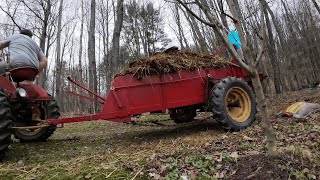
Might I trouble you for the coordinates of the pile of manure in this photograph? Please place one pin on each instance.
(170, 61)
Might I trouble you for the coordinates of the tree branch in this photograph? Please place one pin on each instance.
(36, 14)
(11, 17)
(222, 11)
(196, 16)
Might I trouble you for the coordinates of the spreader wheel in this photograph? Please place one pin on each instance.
(5, 124)
(233, 104)
(47, 110)
(183, 114)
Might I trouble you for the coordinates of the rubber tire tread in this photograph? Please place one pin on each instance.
(52, 110)
(6, 119)
(218, 106)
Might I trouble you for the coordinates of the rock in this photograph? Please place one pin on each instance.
(234, 155)
(184, 177)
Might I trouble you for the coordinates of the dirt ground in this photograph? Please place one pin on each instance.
(156, 148)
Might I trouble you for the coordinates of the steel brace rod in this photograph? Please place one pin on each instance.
(86, 89)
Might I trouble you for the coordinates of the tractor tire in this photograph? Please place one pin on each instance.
(233, 104)
(51, 111)
(6, 119)
(183, 114)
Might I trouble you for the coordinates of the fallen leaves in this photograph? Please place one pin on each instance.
(247, 138)
(241, 154)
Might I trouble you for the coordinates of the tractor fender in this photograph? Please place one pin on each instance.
(7, 86)
(35, 92)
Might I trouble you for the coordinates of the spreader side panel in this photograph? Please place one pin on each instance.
(184, 88)
(129, 96)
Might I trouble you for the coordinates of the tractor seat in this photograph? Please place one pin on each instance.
(23, 74)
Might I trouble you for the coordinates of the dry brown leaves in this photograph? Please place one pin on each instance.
(241, 155)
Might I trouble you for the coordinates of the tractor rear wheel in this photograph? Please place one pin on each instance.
(5, 124)
(47, 110)
(233, 104)
(183, 114)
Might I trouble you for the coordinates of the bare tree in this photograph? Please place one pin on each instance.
(250, 67)
(91, 51)
(116, 34)
(11, 15)
(181, 37)
(58, 56)
(80, 68)
(81, 41)
(271, 47)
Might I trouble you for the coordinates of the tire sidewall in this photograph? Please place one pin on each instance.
(219, 107)
(241, 84)
(46, 113)
(6, 119)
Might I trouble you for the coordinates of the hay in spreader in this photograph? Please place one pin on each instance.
(170, 61)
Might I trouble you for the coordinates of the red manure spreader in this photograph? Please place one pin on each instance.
(29, 113)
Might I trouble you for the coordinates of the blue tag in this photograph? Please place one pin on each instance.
(234, 38)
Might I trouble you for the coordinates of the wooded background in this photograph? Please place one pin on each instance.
(90, 41)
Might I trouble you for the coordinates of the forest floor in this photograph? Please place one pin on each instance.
(164, 150)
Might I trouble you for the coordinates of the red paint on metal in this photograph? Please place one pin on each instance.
(221, 50)
(7, 86)
(23, 73)
(110, 117)
(117, 99)
(35, 92)
(85, 97)
(86, 89)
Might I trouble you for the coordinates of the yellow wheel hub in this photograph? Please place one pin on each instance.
(238, 104)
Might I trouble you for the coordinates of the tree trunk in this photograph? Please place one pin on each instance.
(262, 104)
(178, 22)
(91, 53)
(81, 43)
(272, 55)
(81, 102)
(289, 53)
(194, 35)
(116, 34)
(201, 40)
(43, 36)
(276, 24)
(136, 37)
(58, 60)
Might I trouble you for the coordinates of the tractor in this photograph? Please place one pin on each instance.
(23, 107)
